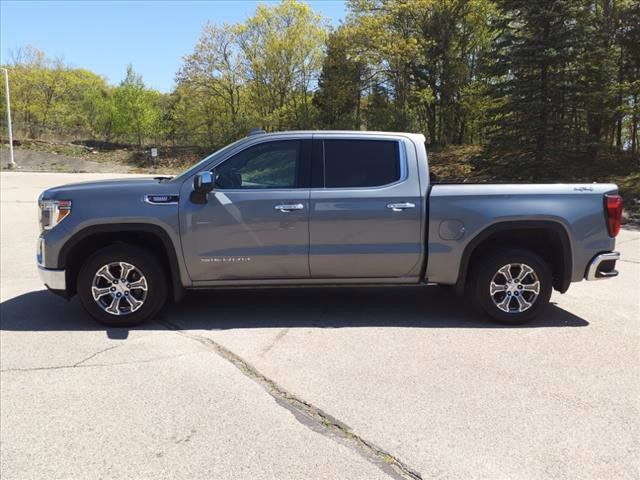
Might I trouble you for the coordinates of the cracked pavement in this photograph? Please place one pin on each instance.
(358, 384)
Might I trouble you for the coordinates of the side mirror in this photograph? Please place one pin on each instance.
(202, 185)
(203, 182)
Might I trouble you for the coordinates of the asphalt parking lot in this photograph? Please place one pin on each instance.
(355, 384)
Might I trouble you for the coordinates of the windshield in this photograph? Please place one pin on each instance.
(195, 168)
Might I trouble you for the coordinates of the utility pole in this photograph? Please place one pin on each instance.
(12, 162)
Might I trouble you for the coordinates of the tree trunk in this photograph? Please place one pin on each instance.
(358, 102)
(619, 114)
(541, 136)
(634, 125)
(431, 115)
(461, 132)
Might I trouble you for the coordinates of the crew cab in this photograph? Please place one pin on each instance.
(322, 208)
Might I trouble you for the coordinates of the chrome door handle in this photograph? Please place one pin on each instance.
(398, 207)
(289, 208)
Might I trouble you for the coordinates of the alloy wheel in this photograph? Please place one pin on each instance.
(514, 287)
(119, 288)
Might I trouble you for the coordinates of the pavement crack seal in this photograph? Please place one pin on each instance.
(306, 413)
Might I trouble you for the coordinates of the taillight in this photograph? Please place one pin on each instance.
(613, 212)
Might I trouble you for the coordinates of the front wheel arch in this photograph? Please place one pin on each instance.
(147, 236)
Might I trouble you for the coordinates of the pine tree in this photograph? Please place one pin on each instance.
(338, 98)
(534, 55)
(628, 88)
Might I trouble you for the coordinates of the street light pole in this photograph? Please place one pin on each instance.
(12, 162)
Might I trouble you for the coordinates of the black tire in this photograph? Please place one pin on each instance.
(486, 270)
(145, 263)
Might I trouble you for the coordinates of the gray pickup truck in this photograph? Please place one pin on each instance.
(322, 208)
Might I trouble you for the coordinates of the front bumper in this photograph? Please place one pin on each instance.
(53, 279)
(603, 266)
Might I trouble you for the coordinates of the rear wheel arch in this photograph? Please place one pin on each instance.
(151, 238)
(547, 238)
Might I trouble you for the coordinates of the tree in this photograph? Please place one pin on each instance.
(533, 74)
(382, 38)
(48, 97)
(340, 87)
(136, 107)
(628, 86)
(425, 54)
(543, 78)
(213, 73)
(100, 110)
(283, 51)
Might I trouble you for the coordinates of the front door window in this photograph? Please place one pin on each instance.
(265, 166)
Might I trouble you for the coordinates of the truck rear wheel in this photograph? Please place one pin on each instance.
(122, 286)
(512, 286)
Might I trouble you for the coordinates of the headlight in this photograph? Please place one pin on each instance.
(52, 212)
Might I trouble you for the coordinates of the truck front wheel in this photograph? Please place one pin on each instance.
(122, 285)
(512, 286)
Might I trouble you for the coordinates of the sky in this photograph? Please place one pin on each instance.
(106, 36)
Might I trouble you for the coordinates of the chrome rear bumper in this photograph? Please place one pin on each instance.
(603, 266)
(53, 279)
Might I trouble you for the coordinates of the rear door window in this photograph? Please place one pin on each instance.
(361, 163)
